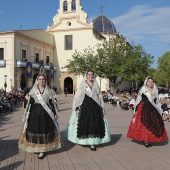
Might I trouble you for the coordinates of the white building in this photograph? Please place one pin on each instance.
(70, 31)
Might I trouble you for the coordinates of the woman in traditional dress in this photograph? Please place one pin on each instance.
(40, 132)
(88, 124)
(147, 124)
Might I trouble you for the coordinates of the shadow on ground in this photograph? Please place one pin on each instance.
(114, 139)
(12, 166)
(9, 148)
(153, 143)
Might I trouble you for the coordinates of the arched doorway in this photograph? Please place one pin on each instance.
(68, 84)
(23, 81)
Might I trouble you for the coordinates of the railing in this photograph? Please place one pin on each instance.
(20, 63)
(2, 63)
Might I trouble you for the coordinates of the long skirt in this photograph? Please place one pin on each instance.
(90, 127)
(147, 124)
(41, 134)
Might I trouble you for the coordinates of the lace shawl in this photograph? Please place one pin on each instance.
(150, 97)
(83, 89)
(47, 94)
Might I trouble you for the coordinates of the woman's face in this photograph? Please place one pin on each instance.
(150, 83)
(90, 76)
(41, 80)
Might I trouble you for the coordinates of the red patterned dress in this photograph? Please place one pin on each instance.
(147, 124)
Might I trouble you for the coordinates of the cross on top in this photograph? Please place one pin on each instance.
(101, 8)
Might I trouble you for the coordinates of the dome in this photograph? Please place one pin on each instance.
(103, 25)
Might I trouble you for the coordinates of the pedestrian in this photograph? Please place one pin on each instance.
(66, 92)
(88, 124)
(147, 124)
(40, 132)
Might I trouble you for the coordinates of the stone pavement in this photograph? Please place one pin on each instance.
(120, 154)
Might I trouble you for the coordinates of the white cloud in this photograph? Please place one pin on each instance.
(142, 22)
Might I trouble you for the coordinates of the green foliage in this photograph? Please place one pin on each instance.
(162, 73)
(113, 59)
(155, 74)
(164, 69)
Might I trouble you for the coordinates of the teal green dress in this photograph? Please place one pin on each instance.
(90, 126)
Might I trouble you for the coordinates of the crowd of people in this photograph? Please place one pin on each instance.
(9, 99)
(122, 99)
(165, 107)
(126, 101)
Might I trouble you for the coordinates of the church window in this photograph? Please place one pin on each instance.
(65, 6)
(24, 55)
(68, 42)
(73, 5)
(1, 53)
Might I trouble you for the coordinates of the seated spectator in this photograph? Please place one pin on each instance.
(22, 96)
(131, 103)
(167, 113)
(164, 104)
(124, 102)
(168, 101)
(105, 98)
(135, 95)
(109, 97)
(117, 100)
(113, 99)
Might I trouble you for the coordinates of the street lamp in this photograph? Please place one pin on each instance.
(11, 83)
(5, 84)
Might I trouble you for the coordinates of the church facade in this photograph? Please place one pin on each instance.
(24, 52)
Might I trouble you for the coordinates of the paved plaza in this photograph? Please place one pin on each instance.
(120, 154)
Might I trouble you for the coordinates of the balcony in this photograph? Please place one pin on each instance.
(21, 63)
(2, 63)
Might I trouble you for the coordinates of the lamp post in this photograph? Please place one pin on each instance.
(5, 84)
(11, 83)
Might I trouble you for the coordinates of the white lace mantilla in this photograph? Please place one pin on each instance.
(150, 97)
(85, 89)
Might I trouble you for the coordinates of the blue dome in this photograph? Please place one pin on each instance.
(103, 25)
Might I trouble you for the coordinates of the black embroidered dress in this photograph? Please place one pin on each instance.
(90, 127)
(41, 134)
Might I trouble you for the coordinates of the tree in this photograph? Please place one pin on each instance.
(111, 60)
(155, 74)
(164, 69)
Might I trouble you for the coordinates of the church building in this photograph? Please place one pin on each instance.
(25, 53)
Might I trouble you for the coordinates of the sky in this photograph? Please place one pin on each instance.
(144, 22)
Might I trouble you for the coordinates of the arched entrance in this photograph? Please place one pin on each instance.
(23, 81)
(68, 85)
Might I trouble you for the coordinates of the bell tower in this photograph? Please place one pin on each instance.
(69, 10)
(69, 5)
